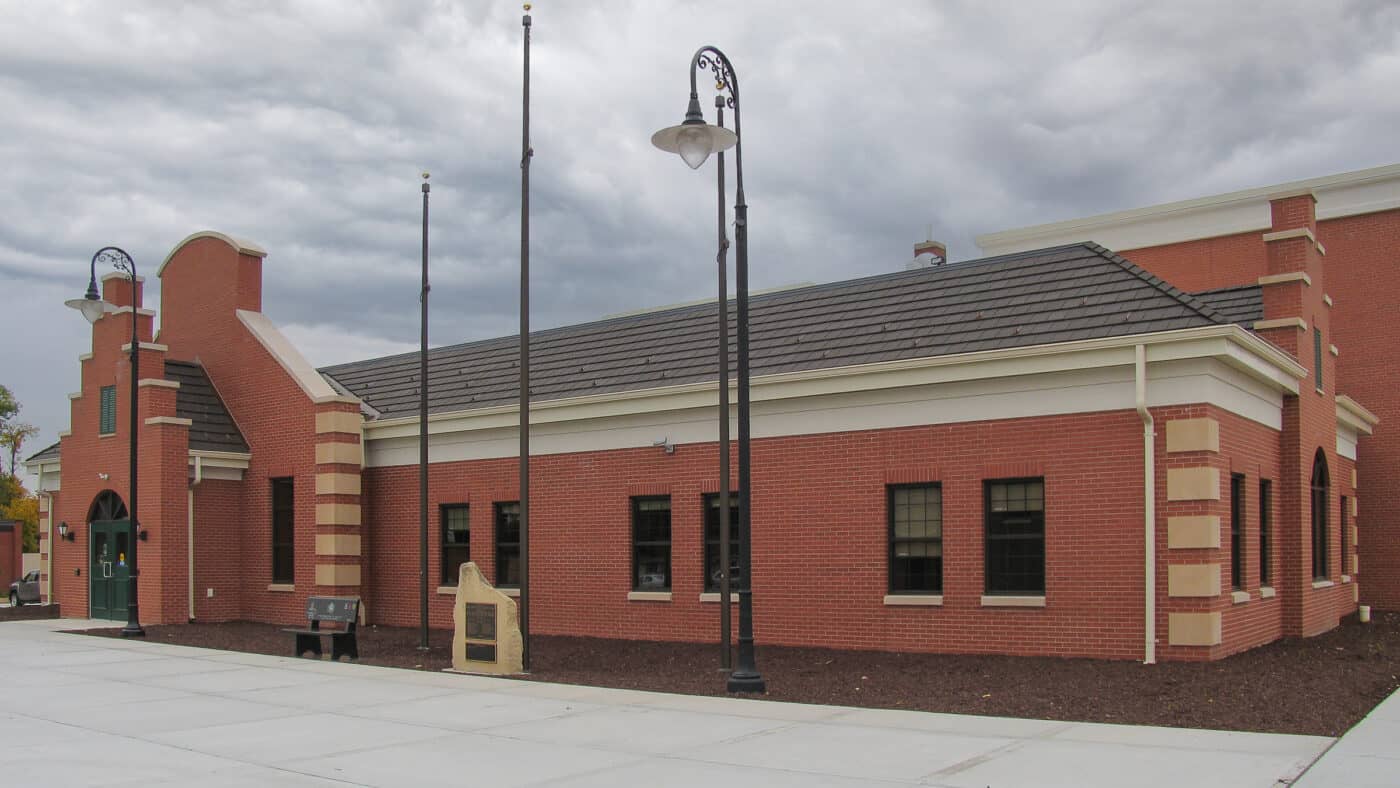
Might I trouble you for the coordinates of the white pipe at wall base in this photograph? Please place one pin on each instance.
(1149, 507)
(1364, 612)
(189, 541)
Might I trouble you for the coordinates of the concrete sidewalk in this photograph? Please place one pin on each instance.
(86, 711)
(1367, 755)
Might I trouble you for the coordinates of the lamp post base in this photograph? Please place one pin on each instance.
(746, 681)
(133, 631)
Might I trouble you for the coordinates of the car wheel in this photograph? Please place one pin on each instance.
(14, 599)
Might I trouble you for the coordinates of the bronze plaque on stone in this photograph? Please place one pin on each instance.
(481, 621)
(482, 652)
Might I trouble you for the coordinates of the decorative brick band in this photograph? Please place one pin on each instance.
(337, 514)
(1193, 484)
(338, 454)
(1193, 629)
(1193, 580)
(337, 574)
(338, 421)
(1193, 435)
(911, 475)
(338, 544)
(647, 488)
(337, 484)
(1197, 532)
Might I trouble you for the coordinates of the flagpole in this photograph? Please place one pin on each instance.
(525, 153)
(423, 439)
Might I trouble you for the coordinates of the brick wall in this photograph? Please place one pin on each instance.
(1361, 261)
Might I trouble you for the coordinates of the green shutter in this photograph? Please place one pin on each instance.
(1317, 356)
(107, 422)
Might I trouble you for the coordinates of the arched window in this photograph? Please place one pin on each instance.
(106, 506)
(1320, 484)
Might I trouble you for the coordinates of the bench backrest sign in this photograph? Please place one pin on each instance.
(332, 608)
(487, 636)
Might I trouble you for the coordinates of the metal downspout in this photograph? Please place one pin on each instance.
(1149, 478)
(189, 542)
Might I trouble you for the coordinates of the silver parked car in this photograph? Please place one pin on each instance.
(25, 589)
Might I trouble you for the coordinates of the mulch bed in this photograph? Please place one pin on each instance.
(1320, 686)
(29, 612)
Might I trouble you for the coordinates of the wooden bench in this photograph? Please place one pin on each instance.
(335, 610)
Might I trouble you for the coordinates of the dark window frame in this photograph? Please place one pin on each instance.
(1266, 509)
(643, 545)
(1342, 529)
(988, 538)
(893, 586)
(1318, 355)
(1237, 531)
(1321, 488)
(283, 531)
(709, 502)
(452, 567)
(107, 410)
(505, 548)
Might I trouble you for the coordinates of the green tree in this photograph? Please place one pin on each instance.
(8, 405)
(26, 510)
(12, 437)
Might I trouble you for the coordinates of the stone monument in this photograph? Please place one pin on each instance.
(487, 627)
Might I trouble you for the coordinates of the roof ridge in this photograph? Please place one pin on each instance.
(1188, 299)
(686, 309)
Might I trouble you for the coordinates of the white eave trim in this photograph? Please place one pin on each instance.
(242, 247)
(1351, 414)
(1230, 343)
(291, 360)
(221, 459)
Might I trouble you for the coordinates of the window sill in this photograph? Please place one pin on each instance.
(648, 596)
(1239, 597)
(1346, 578)
(447, 590)
(914, 600)
(1013, 601)
(106, 434)
(281, 588)
(1323, 584)
(713, 596)
(1266, 592)
(510, 592)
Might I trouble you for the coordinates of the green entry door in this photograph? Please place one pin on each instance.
(109, 570)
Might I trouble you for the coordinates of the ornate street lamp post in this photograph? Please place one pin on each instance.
(695, 140)
(92, 306)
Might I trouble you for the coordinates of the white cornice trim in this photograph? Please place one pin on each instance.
(1284, 235)
(1281, 322)
(290, 359)
(88, 356)
(1231, 343)
(221, 459)
(242, 247)
(1354, 415)
(147, 346)
(174, 421)
(72, 395)
(124, 310)
(1343, 194)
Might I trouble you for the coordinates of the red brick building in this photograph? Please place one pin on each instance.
(1048, 452)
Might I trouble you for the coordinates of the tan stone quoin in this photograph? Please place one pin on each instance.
(338, 421)
(338, 454)
(1193, 580)
(1193, 532)
(1193, 435)
(337, 514)
(1193, 629)
(338, 544)
(1193, 484)
(337, 575)
(337, 484)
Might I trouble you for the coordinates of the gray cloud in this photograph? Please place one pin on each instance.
(303, 126)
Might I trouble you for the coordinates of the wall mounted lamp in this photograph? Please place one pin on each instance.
(64, 532)
(666, 445)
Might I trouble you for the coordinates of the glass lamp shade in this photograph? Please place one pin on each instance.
(92, 308)
(694, 141)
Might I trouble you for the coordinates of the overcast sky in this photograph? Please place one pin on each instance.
(303, 126)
